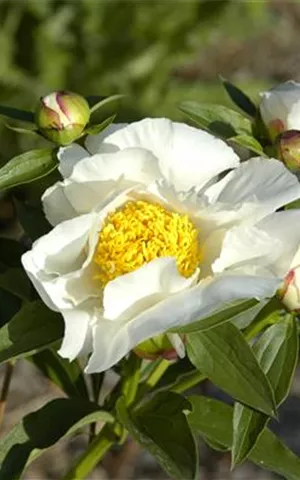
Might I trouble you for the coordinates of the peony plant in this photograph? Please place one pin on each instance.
(169, 253)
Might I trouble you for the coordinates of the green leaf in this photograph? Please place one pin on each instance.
(33, 328)
(228, 312)
(16, 114)
(239, 98)
(16, 282)
(11, 252)
(27, 167)
(105, 101)
(66, 375)
(25, 131)
(249, 142)
(32, 219)
(220, 120)
(225, 357)
(42, 429)
(161, 427)
(277, 352)
(9, 306)
(212, 419)
(95, 129)
(175, 373)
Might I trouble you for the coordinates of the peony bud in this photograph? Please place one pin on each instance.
(280, 108)
(169, 346)
(289, 293)
(289, 149)
(62, 116)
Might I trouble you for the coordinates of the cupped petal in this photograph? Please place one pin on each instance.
(57, 207)
(135, 164)
(188, 157)
(113, 340)
(69, 156)
(142, 288)
(62, 249)
(258, 187)
(284, 226)
(77, 335)
(245, 246)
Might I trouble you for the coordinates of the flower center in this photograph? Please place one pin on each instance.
(141, 231)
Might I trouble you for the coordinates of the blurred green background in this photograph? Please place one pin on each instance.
(158, 52)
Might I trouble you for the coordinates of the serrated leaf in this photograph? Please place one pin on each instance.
(212, 419)
(220, 120)
(95, 129)
(42, 429)
(239, 98)
(65, 374)
(277, 352)
(33, 328)
(16, 282)
(249, 142)
(228, 312)
(27, 167)
(225, 357)
(161, 427)
(16, 114)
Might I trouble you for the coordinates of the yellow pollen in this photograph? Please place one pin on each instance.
(140, 232)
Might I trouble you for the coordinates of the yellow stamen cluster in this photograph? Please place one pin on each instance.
(141, 231)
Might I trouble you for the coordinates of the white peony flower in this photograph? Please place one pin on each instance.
(280, 108)
(148, 238)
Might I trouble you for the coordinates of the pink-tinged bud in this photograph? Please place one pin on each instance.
(62, 116)
(289, 293)
(165, 346)
(279, 108)
(289, 149)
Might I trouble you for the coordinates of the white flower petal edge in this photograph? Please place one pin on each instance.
(254, 190)
(112, 340)
(139, 290)
(187, 156)
(281, 104)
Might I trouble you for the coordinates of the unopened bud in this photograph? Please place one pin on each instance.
(165, 346)
(289, 149)
(62, 116)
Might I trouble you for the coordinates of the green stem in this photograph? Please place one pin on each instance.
(188, 382)
(131, 377)
(94, 453)
(157, 373)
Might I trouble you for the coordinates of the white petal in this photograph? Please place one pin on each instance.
(135, 164)
(62, 249)
(94, 143)
(258, 187)
(55, 264)
(188, 157)
(77, 325)
(69, 156)
(113, 340)
(144, 287)
(33, 273)
(284, 226)
(247, 245)
(177, 343)
(57, 207)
